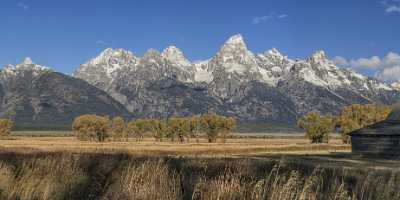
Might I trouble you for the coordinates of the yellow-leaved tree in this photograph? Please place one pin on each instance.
(118, 129)
(91, 127)
(5, 127)
(357, 116)
(317, 127)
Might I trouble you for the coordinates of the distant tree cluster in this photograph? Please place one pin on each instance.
(351, 118)
(5, 127)
(98, 128)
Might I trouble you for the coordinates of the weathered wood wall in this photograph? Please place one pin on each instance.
(376, 144)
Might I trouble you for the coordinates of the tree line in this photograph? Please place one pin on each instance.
(351, 118)
(99, 128)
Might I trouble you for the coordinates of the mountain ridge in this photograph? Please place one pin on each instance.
(238, 82)
(35, 97)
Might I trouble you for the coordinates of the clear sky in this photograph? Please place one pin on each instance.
(65, 33)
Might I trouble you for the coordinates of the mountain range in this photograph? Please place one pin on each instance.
(264, 87)
(35, 97)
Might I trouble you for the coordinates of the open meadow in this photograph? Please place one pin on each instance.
(237, 144)
(55, 165)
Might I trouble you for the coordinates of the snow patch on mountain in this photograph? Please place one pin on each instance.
(396, 85)
(26, 65)
(232, 61)
(202, 73)
(175, 56)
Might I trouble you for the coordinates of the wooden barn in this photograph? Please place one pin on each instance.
(382, 138)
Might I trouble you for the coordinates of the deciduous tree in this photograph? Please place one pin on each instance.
(5, 127)
(118, 129)
(91, 127)
(317, 127)
(357, 116)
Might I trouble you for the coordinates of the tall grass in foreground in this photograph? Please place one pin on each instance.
(104, 176)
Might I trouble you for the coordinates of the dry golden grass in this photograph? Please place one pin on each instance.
(233, 146)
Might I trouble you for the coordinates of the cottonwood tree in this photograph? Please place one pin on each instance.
(91, 127)
(194, 127)
(118, 129)
(227, 125)
(143, 126)
(317, 127)
(158, 128)
(178, 127)
(133, 130)
(212, 125)
(357, 116)
(5, 127)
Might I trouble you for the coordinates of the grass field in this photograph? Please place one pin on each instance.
(55, 165)
(242, 144)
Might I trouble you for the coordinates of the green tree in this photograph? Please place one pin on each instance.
(91, 127)
(317, 127)
(118, 129)
(5, 127)
(357, 116)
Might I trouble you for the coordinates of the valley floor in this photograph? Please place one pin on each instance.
(244, 167)
(239, 145)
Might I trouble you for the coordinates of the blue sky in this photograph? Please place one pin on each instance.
(65, 33)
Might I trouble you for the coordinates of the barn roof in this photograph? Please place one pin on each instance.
(395, 114)
(386, 127)
(390, 126)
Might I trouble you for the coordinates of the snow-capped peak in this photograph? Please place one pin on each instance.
(26, 65)
(318, 56)
(235, 39)
(274, 52)
(108, 61)
(175, 56)
(27, 61)
(109, 53)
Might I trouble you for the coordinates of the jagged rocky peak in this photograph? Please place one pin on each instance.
(27, 61)
(274, 55)
(274, 52)
(234, 43)
(175, 56)
(110, 54)
(235, 56)
(318, 57)
(151, 54)
(236, 39)
(27, 65)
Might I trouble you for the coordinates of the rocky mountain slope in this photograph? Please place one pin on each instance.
(253, 87)
(36, 97)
